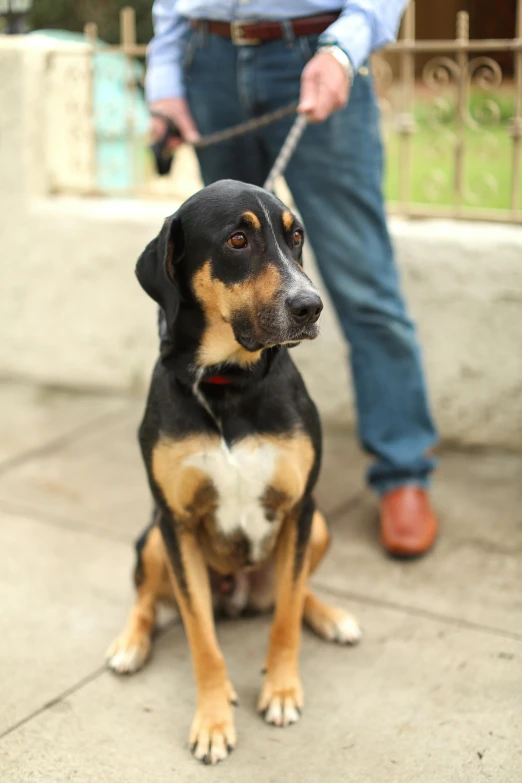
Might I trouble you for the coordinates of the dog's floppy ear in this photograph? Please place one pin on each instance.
(155, 269)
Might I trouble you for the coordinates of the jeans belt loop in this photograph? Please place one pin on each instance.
(202, 34)
(288, 31)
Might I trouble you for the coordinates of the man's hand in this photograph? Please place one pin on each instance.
(325, 87)
(178, 111)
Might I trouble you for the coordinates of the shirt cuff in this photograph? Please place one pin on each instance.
(163, 80)
(353, 34)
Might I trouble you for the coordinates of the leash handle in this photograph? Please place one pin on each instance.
(286, 151)
(163, 155)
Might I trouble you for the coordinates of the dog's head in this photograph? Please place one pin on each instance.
(233, 253)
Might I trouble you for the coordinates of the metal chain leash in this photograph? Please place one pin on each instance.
(163, 156)
(286, 151)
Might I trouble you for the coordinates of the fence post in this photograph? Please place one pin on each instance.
(516, 123)
(128, 42)
(90, 30)
(128, 29)
(462, 108)
(406, 119)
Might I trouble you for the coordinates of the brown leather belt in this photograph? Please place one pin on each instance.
(253, 33)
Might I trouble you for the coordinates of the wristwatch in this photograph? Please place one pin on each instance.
(341, 57)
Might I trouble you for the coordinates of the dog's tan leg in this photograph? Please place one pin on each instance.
(329, 622)
(132, 648)
(212, 735)
(319, 540)
(281, 696)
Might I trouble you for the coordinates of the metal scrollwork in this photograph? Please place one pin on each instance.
(439, 72)
(434, 184)
(481, 187)
(486, 72)
(483, 74)
(439, 113)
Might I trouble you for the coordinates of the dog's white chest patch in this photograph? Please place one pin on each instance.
(240, 476)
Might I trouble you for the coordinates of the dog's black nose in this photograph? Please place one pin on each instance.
(305, 307)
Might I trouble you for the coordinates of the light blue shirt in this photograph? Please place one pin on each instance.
(363, 27)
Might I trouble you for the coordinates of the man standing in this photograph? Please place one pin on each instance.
(212, 65)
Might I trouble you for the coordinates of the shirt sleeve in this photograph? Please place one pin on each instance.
(164, 77)
(364, 26)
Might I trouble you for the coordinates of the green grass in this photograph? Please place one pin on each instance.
(487, 158)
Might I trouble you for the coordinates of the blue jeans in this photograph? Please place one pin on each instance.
(335, 179)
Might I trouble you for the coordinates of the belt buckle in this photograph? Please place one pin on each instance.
(238, 37)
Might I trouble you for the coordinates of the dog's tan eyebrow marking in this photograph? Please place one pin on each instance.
(252, 219)
(288, 220)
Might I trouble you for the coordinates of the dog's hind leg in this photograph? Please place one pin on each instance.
(132, 647)
(329, 622)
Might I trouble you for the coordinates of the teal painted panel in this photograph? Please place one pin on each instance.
(121, 118)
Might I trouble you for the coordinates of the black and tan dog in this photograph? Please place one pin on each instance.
(232, 445)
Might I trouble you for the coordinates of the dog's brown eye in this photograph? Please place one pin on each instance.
(297, 237)
(238, 241)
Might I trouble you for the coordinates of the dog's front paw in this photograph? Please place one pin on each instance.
(128, 652)
(337, 626)
(213, 734)
(330, 622)
(281, 698)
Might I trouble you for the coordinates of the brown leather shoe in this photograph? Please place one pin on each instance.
(408, 524)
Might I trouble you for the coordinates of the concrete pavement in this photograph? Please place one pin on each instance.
(433, 693)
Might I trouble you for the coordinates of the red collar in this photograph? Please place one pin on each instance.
(219, 380)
